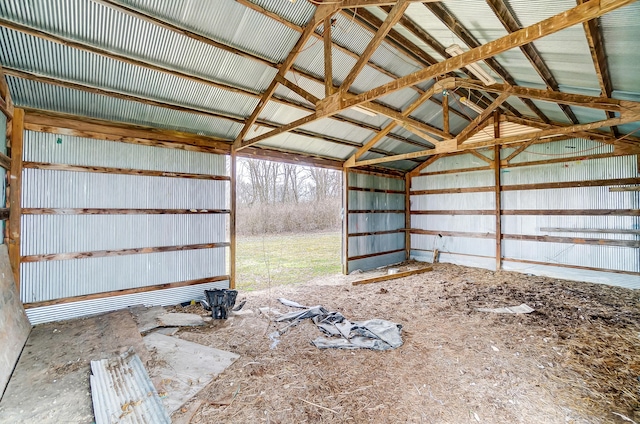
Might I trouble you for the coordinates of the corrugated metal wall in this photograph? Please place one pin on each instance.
(47, 285)
(536, 215)
(375, 221)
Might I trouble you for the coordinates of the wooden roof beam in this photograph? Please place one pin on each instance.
(577, 15)
(596, 45)
(441, 12)
(369, 21)
(531, 53)
(450, 146)
(487, 113)
(321, 12)
(592, 102)
(394, 15)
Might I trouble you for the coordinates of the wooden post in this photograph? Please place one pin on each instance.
(345, 221)
(407, 215)
(15, 192)
(232, 220)
(328, 58)
(445, 113)
(496, 169)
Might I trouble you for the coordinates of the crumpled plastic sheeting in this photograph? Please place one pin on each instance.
(376, 334)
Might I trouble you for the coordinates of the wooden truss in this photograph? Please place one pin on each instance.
(337, 99)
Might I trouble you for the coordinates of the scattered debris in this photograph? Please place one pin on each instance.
(375, 334)
(147, 318)
(167, 331)
(184, 367)
(520, 309)
(267, 311)
(387, 277)
(187, 413)
(122, 392)
(175, 319)
(291, 303)
(237, 308)
(383, 291)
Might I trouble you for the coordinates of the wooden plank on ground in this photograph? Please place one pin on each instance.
(392, 276)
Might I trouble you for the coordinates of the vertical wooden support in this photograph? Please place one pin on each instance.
(496, 169)
(328, 58)
(407, 215)
(345, 221)
(232, 219)
(15, 192)
(445, 114)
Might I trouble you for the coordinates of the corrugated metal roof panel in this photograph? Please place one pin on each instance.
(44, 96)
(122, 392)
(140, 39)
(226, 21)
(338, 129)
(621, 33)
(299, 12)
(29, 53)
(309, 145)
(566, 52)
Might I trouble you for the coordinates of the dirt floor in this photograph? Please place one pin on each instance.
(576, 359)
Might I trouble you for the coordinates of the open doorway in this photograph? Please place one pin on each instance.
(288, 223)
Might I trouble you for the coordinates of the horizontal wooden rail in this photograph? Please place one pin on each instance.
(453, 233)
(376, 190)
(586, 268)
(109, 211)
(373, 255)
(101, 295)
(124, 171)
(376, 211)
(118, 252)
(573, 240)
(455, 212)
(377, 233)
(590, 230)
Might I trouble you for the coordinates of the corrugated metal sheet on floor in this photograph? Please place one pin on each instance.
(122, 392)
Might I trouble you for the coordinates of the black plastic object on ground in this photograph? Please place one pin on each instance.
(221, 301)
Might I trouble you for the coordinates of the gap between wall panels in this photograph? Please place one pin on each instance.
(557, 216)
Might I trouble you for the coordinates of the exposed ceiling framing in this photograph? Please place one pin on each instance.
(404, 111)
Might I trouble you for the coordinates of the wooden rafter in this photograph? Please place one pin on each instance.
(449, 146)
(592, 102)
(530, 52)
(441, 12)
(466, 133)
(349, 4)
(574, 16)
(596, 46)
(394, 15)
(386, 130)
(369, 21)
(319, 15)
(297, 89)
(328, 57)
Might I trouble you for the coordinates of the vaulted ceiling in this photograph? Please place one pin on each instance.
(359, 82)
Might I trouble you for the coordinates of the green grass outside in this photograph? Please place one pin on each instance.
(285, 259)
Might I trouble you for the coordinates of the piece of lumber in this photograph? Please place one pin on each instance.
(392, 276)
